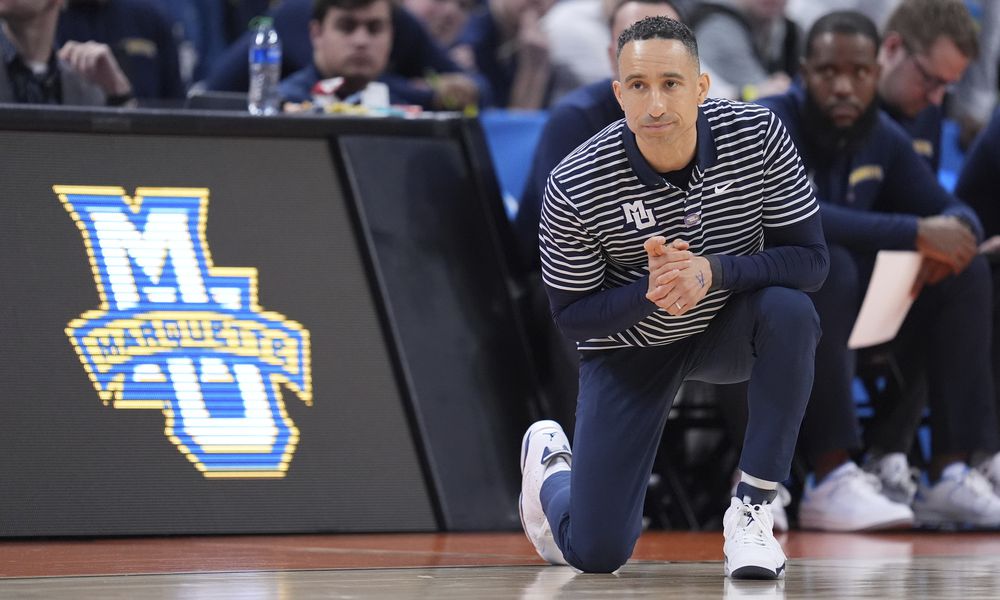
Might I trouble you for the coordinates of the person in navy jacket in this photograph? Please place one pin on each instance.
(876, 194)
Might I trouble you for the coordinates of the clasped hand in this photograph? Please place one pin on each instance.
(678, 279)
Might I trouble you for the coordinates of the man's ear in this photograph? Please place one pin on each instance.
(617, 87)
(704, 84)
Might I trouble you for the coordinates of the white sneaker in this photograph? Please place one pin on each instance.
(990, 469)
(849, 499)
(962, 498)
(544, 452)
(898, 480)
(750, 549)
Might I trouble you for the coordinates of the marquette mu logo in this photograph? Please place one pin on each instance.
(177, 334)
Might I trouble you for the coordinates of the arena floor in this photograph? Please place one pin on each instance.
(487, 566)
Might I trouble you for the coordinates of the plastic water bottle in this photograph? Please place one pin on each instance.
(265, 68)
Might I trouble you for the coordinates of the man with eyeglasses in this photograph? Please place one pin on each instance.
(926, 47)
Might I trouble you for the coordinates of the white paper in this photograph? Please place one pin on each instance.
(888, 298)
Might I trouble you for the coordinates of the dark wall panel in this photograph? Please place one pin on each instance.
(443, 277)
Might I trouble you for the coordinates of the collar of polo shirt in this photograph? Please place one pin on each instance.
(705, 157)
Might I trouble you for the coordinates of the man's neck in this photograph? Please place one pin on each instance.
(665, 158)
(33, 38)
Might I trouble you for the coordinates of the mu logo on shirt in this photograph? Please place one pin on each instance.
(636, 212)
(177, 334)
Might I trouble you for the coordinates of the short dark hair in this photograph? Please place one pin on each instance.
(847, 22)
(660, 28)
(320, 7)
(920, 22)
(620, 3)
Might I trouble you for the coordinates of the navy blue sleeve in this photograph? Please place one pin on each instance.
(794, 256)
(911, 187)
(586, 315)
(909, 191)
(868, 230)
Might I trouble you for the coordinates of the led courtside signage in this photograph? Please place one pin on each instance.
(178, 334)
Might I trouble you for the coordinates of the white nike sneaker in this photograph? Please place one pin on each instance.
(962, 498)
(750, 549)
(990, 469)
(898, 479)
(544, 452)
(848, 499)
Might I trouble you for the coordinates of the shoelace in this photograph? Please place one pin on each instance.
(755, 525)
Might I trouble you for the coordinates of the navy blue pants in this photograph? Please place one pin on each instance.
(768, 336)
(951, 324)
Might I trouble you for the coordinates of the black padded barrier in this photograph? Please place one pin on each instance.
(197, 334)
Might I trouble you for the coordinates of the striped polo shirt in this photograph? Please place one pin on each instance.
(604, 200)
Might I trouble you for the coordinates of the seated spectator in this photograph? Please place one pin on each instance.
(749, 44)
(84, 74)
(505, 43)
(926, 48)
(414, 56)
(141, 36)
(443, 19)
(350, 39)
(979, 185)
(877, 194)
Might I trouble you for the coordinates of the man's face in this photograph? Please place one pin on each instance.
(914, 79)
(629, 13)
(659, 89)
(353, 44)
(841, 76)
(444, 19)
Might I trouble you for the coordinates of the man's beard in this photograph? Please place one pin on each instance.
(826, 139)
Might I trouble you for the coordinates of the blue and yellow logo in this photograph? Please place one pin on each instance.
(177, 334)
